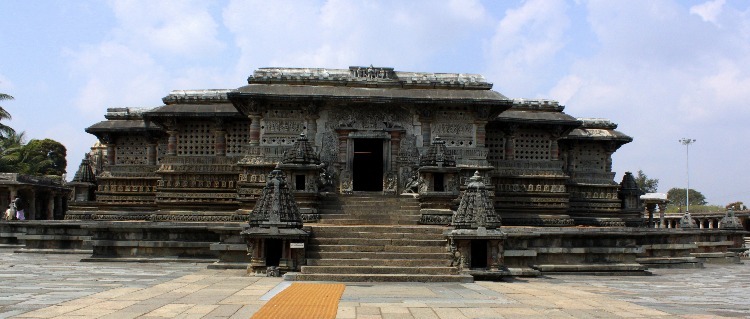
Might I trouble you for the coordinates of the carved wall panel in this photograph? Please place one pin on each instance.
(495, 146)
(368, 118)
(590, 158)
(282, 124)
(237, 136)
(131, 150)
(455, 126)
(532, 145)
(196, 138)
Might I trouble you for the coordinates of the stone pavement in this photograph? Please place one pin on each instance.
(58, 286)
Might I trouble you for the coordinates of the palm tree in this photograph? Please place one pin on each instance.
(11, 152)
(5, 130)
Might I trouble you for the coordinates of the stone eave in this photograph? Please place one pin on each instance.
(537, 117)
(116, 126)
(371, 95)
(212, 110)
(598, 135)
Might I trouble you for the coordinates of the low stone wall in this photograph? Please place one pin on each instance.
(527, 250)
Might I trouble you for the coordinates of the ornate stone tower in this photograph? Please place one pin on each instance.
(274, 234)
(437, 184)
(304, 168)
(630, 195)
(84, 182)
(476, 242)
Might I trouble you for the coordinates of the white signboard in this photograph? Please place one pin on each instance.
(296, 245)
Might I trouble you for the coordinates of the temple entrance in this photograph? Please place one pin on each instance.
(273, 251)
(478, 254)
(367, 165)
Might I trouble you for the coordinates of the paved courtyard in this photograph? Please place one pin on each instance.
(58, 286)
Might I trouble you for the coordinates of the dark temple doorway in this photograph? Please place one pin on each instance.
(368, 165)
(274, 248)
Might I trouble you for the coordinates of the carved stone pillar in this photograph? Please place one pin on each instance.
(50, 207)
(481, 133)
(395, 145)
(312, 129)
(220, 139)
(650, 208)
(172, 143)
(111, 154)
(426, 133)
(31, 210)
(662, 210)
(151, 153)
(255, 129)
(343, 145)
(510, 142)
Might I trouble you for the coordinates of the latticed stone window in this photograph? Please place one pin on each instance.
(237, 135)
(495, 146)
(590, 158)
(131, 150)
(533, 146)
(196, 138)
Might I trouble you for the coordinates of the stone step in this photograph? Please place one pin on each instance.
(380, 262)
(375, 255)
(376, 241)
(376, 248)
(363, 230)
(378, 270)
(409, 236)
(368, 221)
(379, 278)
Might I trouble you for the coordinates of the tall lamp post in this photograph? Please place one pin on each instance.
(687, 142)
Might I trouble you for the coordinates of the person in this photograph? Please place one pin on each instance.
(18, 205)
(8, 213)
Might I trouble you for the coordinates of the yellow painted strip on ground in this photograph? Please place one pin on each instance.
(302, 301)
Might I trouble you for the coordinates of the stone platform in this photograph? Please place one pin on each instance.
(381, 252)
(58, 286)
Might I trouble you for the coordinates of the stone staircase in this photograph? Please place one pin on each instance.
(369, 209)
(382, 253)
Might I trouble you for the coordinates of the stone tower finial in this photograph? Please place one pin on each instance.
(85, 174)
(437, 155)
(301, 152)
(276, 206)
(476, 209)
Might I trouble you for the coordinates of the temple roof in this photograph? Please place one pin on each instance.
(120, 126)
(369, 76)
(538, 111)
(377, 95)
(598, 129)
(197, 96)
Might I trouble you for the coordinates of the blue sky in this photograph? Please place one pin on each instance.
(662, 70)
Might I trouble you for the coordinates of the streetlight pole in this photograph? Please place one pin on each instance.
(687, 142)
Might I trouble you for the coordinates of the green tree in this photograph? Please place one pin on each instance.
(647, 185)
(676, 197)
(45, 157)
(4, 115)
(736, 206)
(38, 157)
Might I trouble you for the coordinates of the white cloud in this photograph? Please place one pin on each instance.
(525, 43)
(5, 84)
(182, 28)
(708, 11)
(337, 34)
(666, 77)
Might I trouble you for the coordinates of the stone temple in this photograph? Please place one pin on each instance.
(321, 171)
(204, 154)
